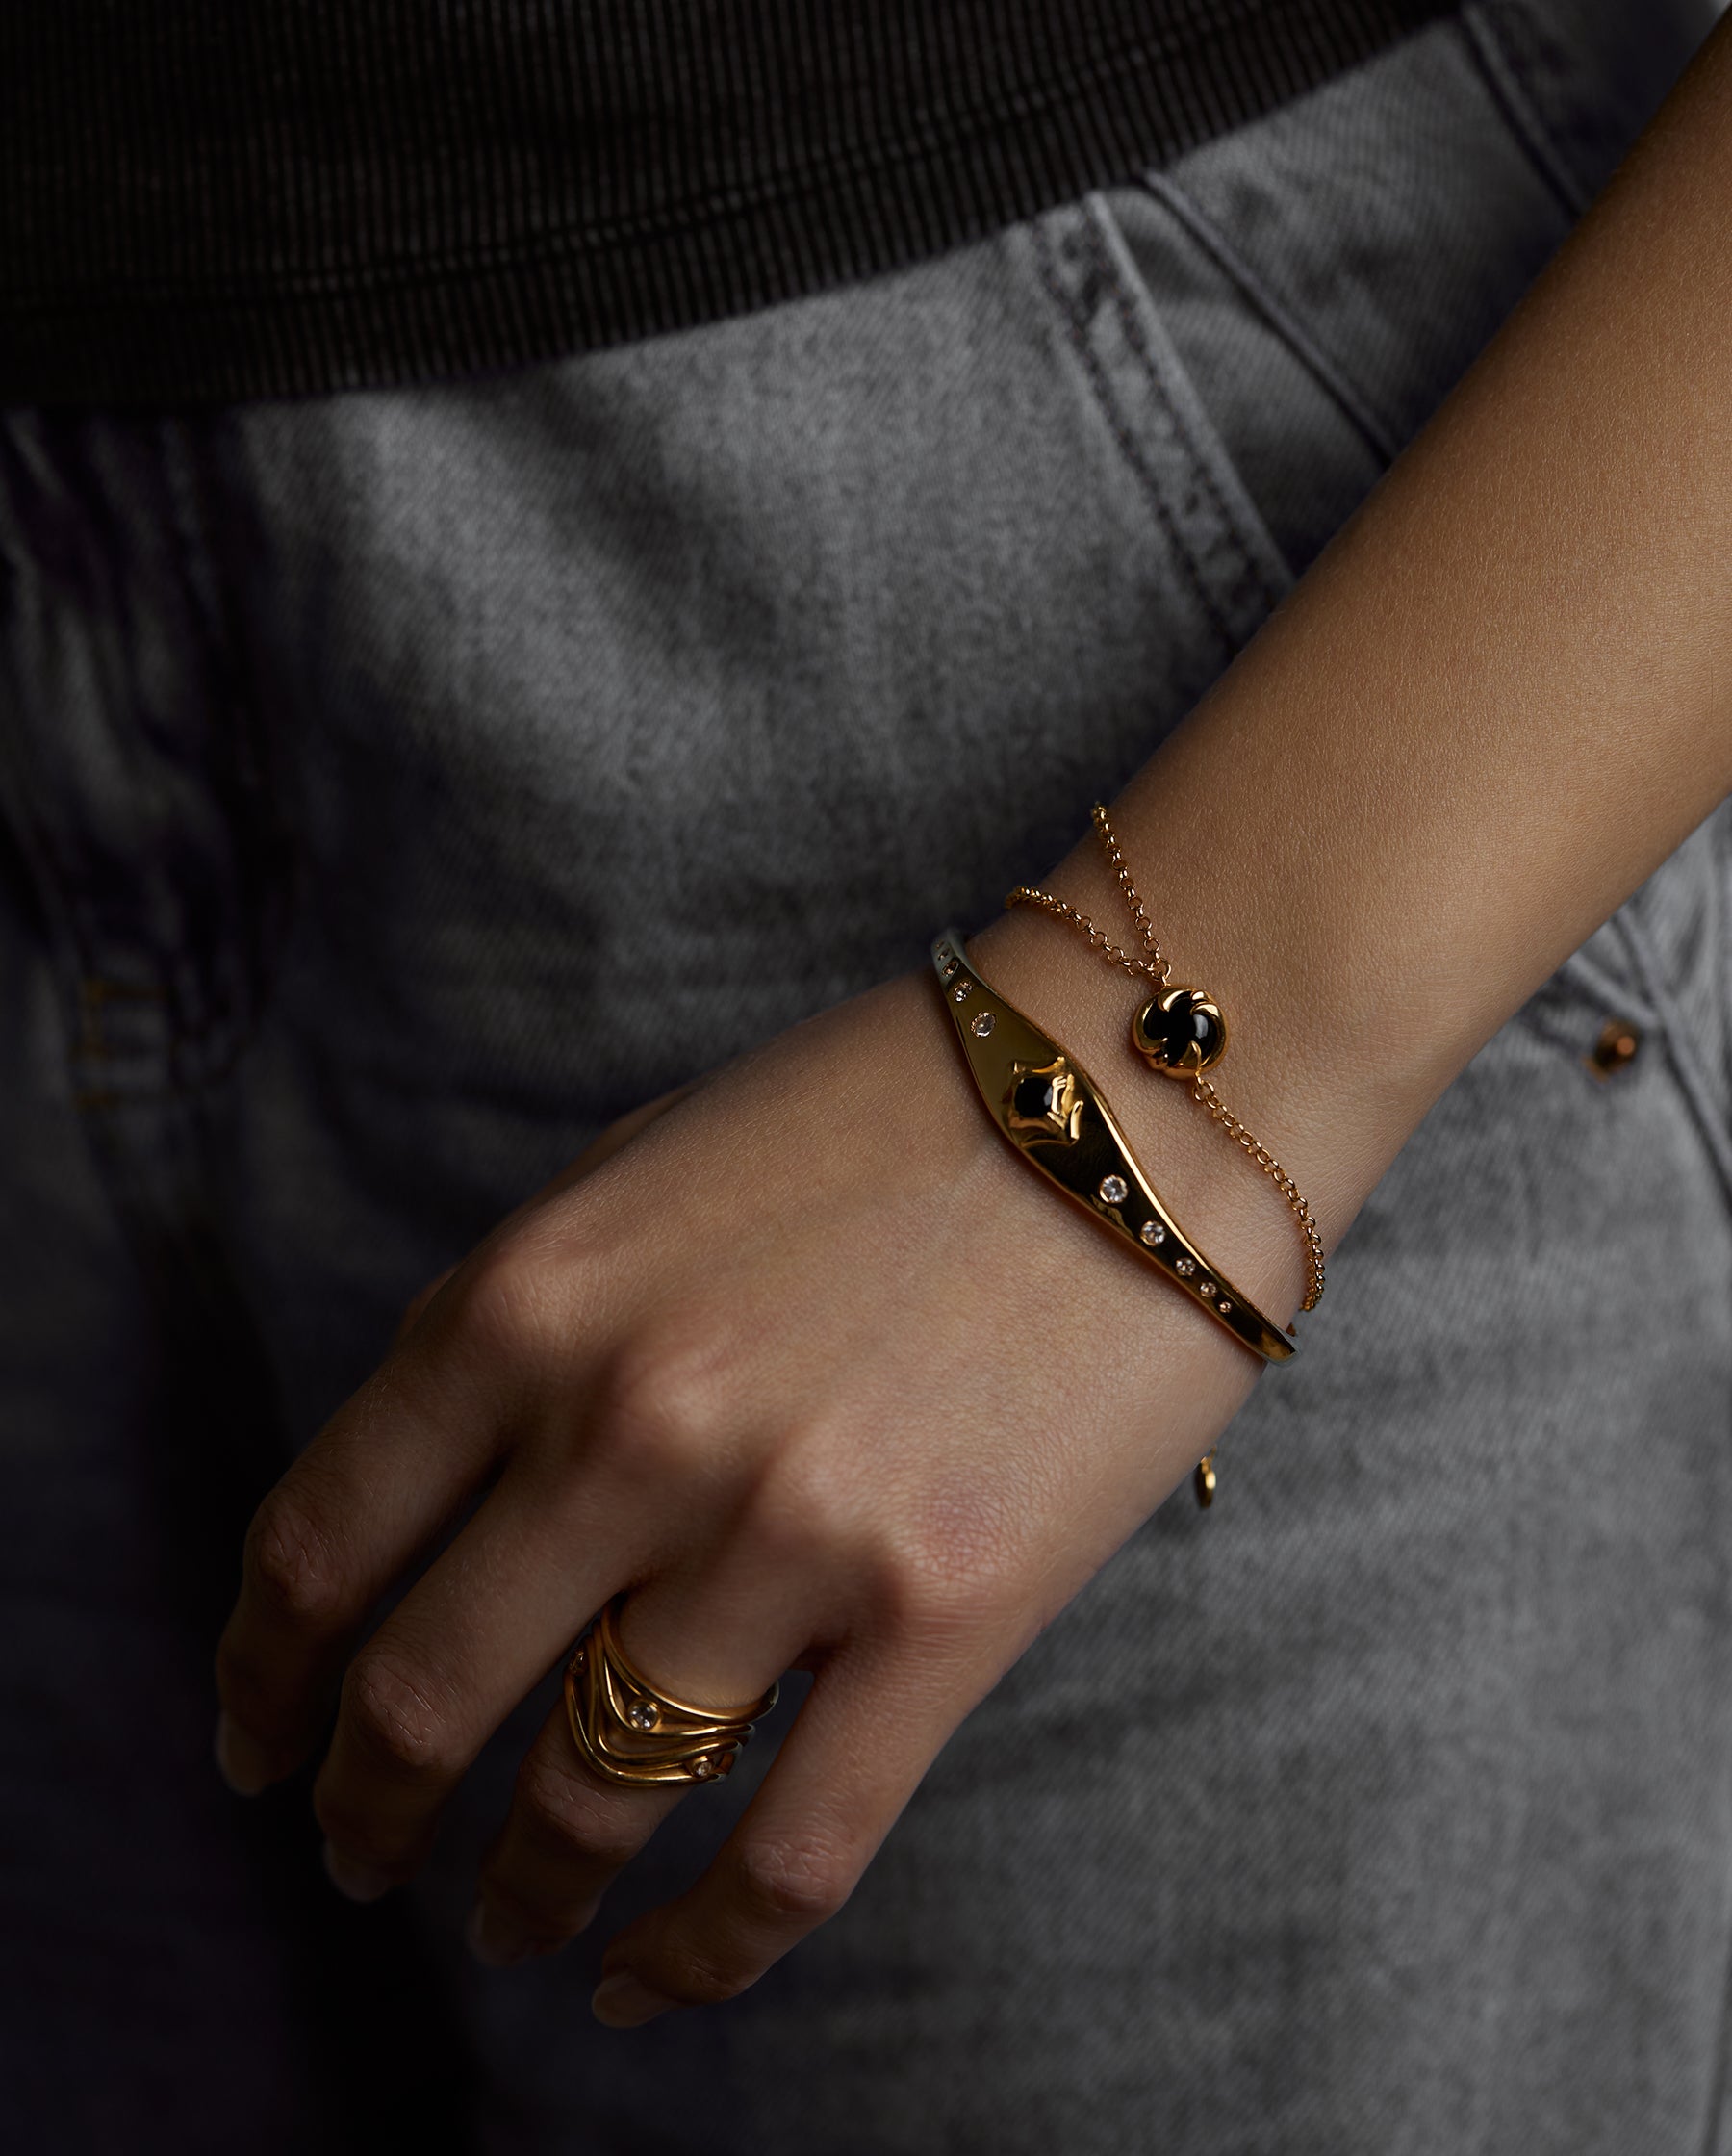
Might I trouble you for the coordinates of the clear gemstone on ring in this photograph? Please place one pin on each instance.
(703, 1766)
(1152, 1233)
(1185, 1265)
(981, 1023)
(1112, 1190)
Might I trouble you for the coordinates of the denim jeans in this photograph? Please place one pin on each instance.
(396, 786)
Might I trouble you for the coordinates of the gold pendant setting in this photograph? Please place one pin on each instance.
(1180, 1033)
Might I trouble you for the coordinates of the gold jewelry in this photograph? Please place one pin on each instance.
(631, 1733)
(1055, 1116)
(1180, 1033)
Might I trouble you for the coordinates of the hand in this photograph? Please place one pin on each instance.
(811, 1365)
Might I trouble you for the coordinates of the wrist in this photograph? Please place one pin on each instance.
(1325, 1127)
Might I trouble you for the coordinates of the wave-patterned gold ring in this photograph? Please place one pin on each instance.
(631, 1732)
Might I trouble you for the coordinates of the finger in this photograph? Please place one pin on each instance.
(565, 1836)
(570, 1830)
(384, 1477)
(854, 1756)
(564, 1530)
(378, 1483)
(472, 1639)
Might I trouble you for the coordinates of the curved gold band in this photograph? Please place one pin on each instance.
(631, 1733)
(1057, 1117)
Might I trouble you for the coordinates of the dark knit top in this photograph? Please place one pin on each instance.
(223, 199)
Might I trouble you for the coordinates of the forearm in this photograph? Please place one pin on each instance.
(1500, 699)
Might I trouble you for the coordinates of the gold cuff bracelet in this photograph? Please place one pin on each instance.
(1055, 1116)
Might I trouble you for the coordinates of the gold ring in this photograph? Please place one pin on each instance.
(631, 1733)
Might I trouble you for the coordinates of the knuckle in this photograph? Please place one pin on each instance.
(295, 1563)
(949, 1564)
(505, 1308)
(794, 1884)
(928, 1561)
(566, 1814)
(809, 1509)
(663, 1400)
(395, 1718)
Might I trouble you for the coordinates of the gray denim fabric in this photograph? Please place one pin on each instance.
(398, 786)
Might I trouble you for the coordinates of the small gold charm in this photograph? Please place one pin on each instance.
(1044, 1101)
(1181, 1032)
(1203, 1480)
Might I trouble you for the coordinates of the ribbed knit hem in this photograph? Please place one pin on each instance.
(254, 282)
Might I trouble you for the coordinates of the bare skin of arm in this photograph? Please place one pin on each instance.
(759, 1360)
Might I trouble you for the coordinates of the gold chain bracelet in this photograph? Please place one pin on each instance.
(1180, 1033)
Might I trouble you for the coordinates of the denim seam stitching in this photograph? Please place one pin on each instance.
(1130, 303)
(1680, 1044)
(1622, 998)
(1117, 426)
(72, 951)
(1497, 68)
(1332, 376)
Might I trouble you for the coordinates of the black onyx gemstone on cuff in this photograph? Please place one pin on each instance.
(1034, 1096)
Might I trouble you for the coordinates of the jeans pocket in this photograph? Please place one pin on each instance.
(1128, 371)
(1329, 271)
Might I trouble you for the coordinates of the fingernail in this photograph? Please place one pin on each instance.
(359, 1882)
(495, 1940)
(242, 1761)
(622, 2002)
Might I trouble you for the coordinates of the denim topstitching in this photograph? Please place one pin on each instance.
(1086, 225)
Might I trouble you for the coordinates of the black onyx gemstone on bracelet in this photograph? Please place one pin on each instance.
(1181, 1032)
(1043, 1102)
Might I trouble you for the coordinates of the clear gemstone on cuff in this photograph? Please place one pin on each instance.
(1112, 1190)
(981, 1023)
(961, 990)
(1223, 1306)
(1152, 1233)
(1185, 1265)
(703, 1766)
(641, 1715)
(1206, 1287)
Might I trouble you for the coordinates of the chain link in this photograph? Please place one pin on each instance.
(1154, 967)
(1205, 1094)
